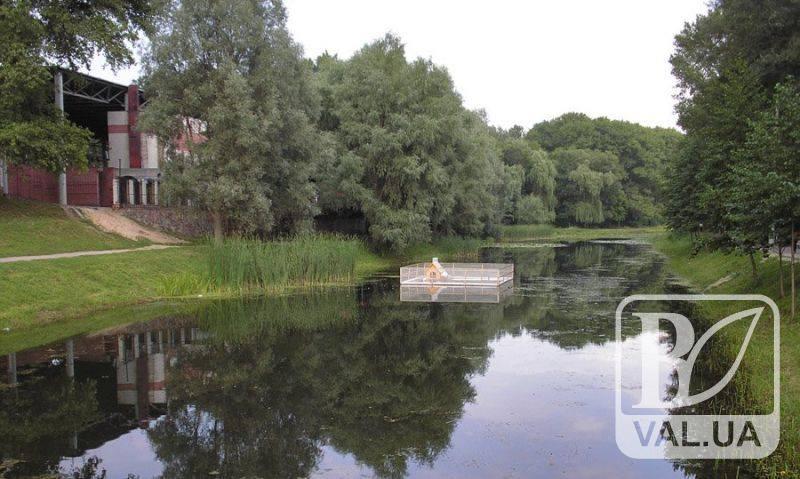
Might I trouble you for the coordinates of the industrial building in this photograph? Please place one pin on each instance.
(124, 167)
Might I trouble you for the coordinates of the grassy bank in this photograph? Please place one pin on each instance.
(41, 292)
(32, 228)
(44, 301)
(716, 272)
(550, 232)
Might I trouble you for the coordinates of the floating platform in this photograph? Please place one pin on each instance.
(456, 274)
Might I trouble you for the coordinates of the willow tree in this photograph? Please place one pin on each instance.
(536, 201)
(643, 155)
(231, 71)
(590, 191)
(405, 154)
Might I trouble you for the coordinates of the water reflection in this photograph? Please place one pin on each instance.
(455, 294)
(349, 382)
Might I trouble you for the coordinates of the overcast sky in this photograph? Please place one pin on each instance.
(522, 61)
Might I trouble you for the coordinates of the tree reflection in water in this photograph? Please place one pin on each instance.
(261, 388)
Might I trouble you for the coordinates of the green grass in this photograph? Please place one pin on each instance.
(550, 232)
(33, 228)
(48, 298)
(704, 270)
(41, 292)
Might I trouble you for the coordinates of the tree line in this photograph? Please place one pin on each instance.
(278, 139)
(735, 184)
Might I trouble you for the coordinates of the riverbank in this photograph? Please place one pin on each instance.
(550, 232)
(36, 228)
(47, 300)
(718, 273)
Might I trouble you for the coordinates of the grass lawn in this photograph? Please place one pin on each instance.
(40, 292)
(33, 228)
(550, 232)
(704, 270)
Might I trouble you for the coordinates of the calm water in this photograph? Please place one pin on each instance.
(347, 383)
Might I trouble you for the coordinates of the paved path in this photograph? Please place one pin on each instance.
(75, 254)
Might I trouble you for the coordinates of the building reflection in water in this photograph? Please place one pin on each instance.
(455, 294)
(138, 358)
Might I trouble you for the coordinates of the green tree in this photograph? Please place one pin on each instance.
(589, 183)
(39, 34)
(642, 152)
(734, 182)
(536, 200)
(233, 69)
(765, 189)
(405, 152)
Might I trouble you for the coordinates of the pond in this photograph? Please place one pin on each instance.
(348, 382)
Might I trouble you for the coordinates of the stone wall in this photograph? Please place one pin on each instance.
(182, 221)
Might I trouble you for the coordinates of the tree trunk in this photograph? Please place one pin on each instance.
(781, 291)
(216, 218)
(753, 269)
(791, 271)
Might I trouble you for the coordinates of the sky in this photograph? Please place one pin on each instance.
(522, 61)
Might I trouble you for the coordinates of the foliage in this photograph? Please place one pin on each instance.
(530, 183)
(640, 156)
(735, 185)
(233, 68)
(404, 153)
(38, 34)
(590, 182)
(38, 414)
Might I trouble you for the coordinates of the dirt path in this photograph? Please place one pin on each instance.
(75, 254)
(113, 222)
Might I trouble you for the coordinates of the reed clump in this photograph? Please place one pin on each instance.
(246, 263)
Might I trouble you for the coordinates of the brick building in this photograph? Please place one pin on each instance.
(124, 168)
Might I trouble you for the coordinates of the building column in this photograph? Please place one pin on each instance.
(4, 178)
(115, 192)
(155, 192)
(62, 177)
(131, 192)
(143, 190)
(70, 346)
(12, 369)
(121, 349)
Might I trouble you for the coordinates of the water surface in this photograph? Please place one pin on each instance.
(347, 382)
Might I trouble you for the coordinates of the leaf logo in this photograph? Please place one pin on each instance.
(685, 344)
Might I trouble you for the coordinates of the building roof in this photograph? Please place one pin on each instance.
(86, 91)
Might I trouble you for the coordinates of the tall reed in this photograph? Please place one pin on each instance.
(243, 263)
